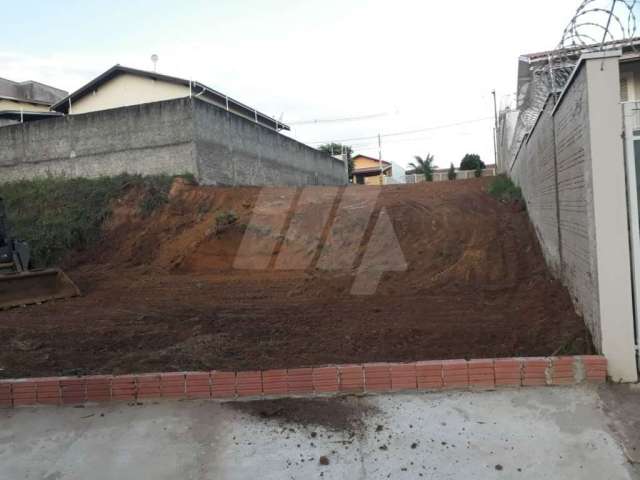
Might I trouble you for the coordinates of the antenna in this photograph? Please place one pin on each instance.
(154, 59)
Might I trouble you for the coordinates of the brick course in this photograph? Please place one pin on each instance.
(433, 375)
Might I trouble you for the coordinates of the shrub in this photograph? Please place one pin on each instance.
(471, 161)
(224, 220)
(478, 172)
(58, 214)
(505, 190)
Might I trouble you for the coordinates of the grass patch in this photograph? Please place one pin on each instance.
(59, 214)
(224, 220)
(504, 189)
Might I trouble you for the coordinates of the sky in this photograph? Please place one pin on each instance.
(334, 70)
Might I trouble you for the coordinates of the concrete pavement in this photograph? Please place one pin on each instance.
(532, 433)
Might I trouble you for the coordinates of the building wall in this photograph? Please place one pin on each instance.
(27, 107)
(571, 171)
(362, 162)
(372, 180)
(125, 90)
(176, 136)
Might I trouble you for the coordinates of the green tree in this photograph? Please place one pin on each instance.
(451, 174)
(336, 149)
(424, 165)
(471, 161)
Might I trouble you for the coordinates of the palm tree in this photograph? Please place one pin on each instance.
(424, 165)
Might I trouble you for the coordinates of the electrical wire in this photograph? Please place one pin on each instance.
(406, 132)
(340, 119)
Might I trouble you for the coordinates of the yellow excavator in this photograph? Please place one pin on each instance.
(19, 283)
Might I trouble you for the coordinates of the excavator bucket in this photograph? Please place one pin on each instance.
(35, 286)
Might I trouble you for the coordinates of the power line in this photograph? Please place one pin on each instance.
(372, 145)
(340, 119)
(406, 132)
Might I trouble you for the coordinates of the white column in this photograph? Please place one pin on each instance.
(610, 217)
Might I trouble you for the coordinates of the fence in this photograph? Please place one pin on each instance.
(571, 170)
(444, 176)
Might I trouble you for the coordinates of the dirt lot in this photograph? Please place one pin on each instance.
(161, 293)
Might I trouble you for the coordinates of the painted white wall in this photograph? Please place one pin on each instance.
(397, 173)
(125, 90)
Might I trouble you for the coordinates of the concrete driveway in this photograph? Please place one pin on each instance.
(555, 433)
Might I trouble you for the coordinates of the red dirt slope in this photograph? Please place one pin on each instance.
(162, 293)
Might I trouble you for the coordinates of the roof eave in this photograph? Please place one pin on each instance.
(63, 105)
(25, 100)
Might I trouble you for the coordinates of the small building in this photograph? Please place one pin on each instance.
(26, 101)
(370, 171)
(122, 86)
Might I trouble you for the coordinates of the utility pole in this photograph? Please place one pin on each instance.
(343, 155)
(380, 159)
(495, 128)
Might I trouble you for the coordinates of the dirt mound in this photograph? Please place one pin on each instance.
(447, 236)
(259, 278)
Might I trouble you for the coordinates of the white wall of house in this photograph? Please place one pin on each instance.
(125, 90)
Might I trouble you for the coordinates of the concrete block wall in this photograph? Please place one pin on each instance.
(232, 150)
(571, 171)
(575, 201)
(184, 135)
(152, 138)
(536, 176)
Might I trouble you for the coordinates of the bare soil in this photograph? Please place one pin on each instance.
(161, 293)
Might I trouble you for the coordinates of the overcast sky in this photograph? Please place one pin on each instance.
(407, 65)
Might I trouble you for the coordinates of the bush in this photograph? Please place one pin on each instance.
(56, 215)
(224, 220)
(505, 190)
(478, 172)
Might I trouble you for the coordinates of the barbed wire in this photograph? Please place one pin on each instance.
(597, 25)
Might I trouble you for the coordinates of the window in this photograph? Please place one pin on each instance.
(624, 88)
